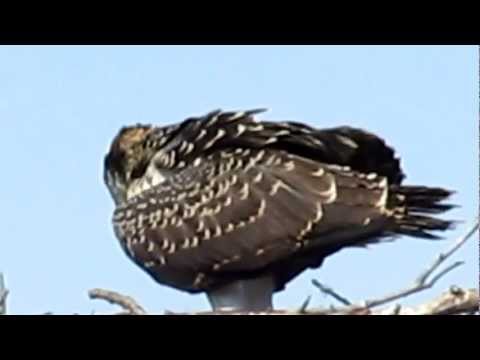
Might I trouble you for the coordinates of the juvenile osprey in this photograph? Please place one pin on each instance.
(237, 208)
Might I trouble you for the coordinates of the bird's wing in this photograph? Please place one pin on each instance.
(239, 211)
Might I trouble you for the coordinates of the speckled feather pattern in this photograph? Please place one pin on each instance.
(224, 197)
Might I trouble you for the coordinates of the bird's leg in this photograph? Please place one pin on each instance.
(244, 295)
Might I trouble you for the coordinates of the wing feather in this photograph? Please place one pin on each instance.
(237, 220)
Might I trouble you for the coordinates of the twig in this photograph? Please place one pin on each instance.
(304, 306)
(412, 289)
(453, 301)
(397, 308)
(443, 256)
(329, 291)
(130, 306)
(3, 296)
(422, 283)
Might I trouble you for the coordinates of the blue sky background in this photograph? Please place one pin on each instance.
(60, 106)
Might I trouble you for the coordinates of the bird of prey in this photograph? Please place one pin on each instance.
(233, 207)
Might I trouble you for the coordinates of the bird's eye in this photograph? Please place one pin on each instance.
(139, 170)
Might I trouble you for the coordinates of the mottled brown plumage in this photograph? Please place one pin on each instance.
(225, 197)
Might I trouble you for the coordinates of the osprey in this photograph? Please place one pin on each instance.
(236, 208)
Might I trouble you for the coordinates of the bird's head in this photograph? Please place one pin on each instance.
(127, 159)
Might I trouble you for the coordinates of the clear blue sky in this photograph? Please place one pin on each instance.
(60, 106)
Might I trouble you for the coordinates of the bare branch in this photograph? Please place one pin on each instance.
(422, 283)
(304, 306)
(130, 306)
(3, 296)
(396, 310)
(445, 271)
(329, 291)
(453, 301)
(444, 256)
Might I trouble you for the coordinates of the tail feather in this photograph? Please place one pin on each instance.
(414, 207)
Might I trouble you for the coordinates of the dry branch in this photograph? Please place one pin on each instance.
(454, 301)
(421, 283)
(303, 308)
(130, 306)
(329, 291)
